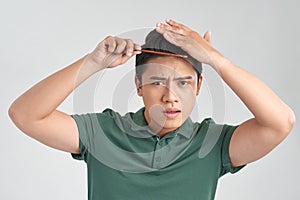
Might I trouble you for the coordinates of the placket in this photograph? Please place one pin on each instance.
(157, 154)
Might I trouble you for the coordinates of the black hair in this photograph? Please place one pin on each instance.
(155, 41)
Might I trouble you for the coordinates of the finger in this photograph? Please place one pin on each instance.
(176, 24)
(129, 47)
(207, 36)
(171, 36)
(110, 43)
(121, 46)
(124, 58)
(174, 38)
(137, 49)
(174, 29)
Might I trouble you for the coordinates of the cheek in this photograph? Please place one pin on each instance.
(187, 101)
(150, 96)
(186, 94)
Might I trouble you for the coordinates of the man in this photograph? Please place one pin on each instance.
(157, 152)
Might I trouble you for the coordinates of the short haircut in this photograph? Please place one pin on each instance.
(156, 41)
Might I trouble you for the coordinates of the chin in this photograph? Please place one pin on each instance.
(173, 124)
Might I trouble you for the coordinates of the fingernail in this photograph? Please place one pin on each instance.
(158, 29)
(129, 53)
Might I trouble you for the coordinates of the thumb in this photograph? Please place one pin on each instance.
(207, 36)
(125, 58)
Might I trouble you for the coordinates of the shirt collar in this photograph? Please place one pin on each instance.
(186, 129)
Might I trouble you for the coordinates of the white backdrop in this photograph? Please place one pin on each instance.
(39, 37)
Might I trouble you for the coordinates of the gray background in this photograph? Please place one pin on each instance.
(40, 37)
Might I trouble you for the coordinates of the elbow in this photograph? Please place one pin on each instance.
(12, 112)
(287, 123)
(291, 120)
(16, 116)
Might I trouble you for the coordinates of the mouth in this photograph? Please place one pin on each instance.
(171, 113)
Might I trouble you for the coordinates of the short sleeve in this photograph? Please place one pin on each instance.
(82, 122)
(88, 127)
(227, 133)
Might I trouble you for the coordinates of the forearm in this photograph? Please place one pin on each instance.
(264, 104)
(44, 97)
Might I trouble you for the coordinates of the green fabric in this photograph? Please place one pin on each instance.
(126, 160)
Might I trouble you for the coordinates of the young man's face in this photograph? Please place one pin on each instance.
(169, 89)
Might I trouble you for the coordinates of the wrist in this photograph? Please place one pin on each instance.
(91, 64)
(218, 61)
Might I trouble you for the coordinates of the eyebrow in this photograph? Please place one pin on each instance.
(157, 78)
(184, 78)
(177, 78)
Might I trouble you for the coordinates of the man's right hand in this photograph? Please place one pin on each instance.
(34, 112)
(113, 51)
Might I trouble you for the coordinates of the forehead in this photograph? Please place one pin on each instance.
(168, 66)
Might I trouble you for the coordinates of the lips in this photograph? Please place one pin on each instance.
(172, 112)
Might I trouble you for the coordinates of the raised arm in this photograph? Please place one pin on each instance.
(272, 120)
(34, 112)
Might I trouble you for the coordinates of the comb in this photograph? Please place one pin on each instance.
(164, 53)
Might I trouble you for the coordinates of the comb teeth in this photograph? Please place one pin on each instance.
(164, 53)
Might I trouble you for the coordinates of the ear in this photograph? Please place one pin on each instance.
(199, 85)
(138, 86)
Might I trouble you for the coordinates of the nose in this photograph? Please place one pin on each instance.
(169, 96)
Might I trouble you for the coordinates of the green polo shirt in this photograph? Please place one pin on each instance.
(126, 160)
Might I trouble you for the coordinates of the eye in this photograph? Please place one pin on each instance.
(183, 83)
(157, 83)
